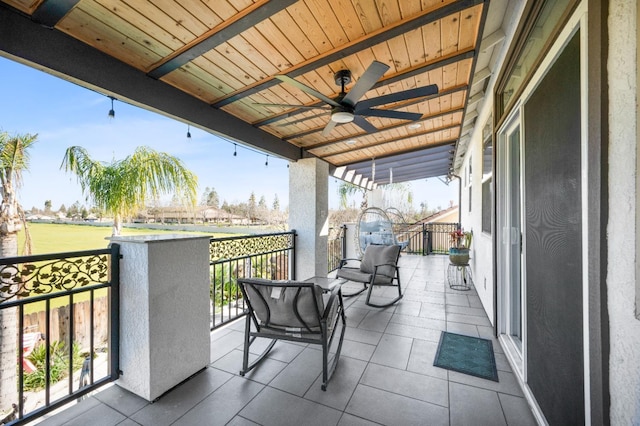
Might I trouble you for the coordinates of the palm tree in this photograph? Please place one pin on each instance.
(122, 187)
(14, 159)
(345, 189)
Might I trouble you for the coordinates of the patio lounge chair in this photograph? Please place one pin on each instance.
(293, 311)
(378, 266)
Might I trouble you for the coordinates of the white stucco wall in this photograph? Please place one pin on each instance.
(482, 245)
(164, 311)
(624, 360)
(309, 215)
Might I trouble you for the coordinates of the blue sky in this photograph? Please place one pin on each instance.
(64, 114)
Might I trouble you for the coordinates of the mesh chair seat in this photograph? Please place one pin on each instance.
(378, 266)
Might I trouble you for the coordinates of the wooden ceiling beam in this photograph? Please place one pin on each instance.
(395, 126)
(66, 57)
(456, 89)
(230, 28)
(411, 72)
(50, 12)
(376, 37)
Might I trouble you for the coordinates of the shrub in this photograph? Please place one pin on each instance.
(59, 364)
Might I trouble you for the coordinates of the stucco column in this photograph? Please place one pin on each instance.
(164, 311)
(308, 215)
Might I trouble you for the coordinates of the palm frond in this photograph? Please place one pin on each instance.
(122, 187)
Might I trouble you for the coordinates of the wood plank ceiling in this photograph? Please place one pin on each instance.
(227, 54)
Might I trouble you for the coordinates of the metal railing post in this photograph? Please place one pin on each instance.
(114, 333)
(293, 263)
(424, 240)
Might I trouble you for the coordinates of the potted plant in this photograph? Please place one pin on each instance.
(459, 250)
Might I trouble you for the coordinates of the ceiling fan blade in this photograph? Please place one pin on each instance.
(364, 124)
(291, 106)
(328, 128)
(418, 92)
(307, 89)
(389, 113)
(366, 82)
(322, 114)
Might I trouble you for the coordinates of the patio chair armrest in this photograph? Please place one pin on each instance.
(393, 265)
(346, 260)
(334, 298)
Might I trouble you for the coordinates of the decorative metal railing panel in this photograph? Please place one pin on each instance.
(269, 256)
(62, 311)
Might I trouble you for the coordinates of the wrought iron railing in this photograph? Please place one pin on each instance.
(60, 316)
(425, 238)
(269, 256)
(336, 247)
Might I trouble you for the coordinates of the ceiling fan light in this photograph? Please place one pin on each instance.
(342, 117)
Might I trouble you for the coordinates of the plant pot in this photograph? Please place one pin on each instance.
(459, 256)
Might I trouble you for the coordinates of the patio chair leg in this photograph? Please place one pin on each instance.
(248, 341)
(327, 371)
(375, 305)
(357, 292)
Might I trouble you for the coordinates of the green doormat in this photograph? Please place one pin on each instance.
(468, 355)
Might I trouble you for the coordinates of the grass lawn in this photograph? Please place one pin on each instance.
(58, 237)
(62, 237)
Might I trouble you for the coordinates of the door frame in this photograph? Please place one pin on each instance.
(577, 22)
(504, 184)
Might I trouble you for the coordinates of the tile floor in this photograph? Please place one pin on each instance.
(385, 374)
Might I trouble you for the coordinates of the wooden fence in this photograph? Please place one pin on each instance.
(60, 321)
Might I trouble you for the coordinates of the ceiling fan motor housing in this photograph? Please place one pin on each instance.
(342, 78)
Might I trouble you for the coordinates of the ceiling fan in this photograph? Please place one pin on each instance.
(347, 107)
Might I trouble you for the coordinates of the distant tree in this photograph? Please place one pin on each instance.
(84, 213)
(74, 210)
(62, 209)
(276, 203)
(122, 187)
(14, 159)
(96, 211)
(225, 206)
(251, 211)
(210, 198)
(47, 206)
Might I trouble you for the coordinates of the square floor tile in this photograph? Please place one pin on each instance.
(341, 385)
(223, 404)
(393, 351)
(474, 406)
(298, 376)
(391, 409)
(406, 383)
(121, 400)
(276, 408)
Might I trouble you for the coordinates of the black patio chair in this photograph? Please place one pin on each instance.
(378, 266)
(294, 311)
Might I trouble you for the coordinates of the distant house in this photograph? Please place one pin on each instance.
(449, 215)
(213, 215)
